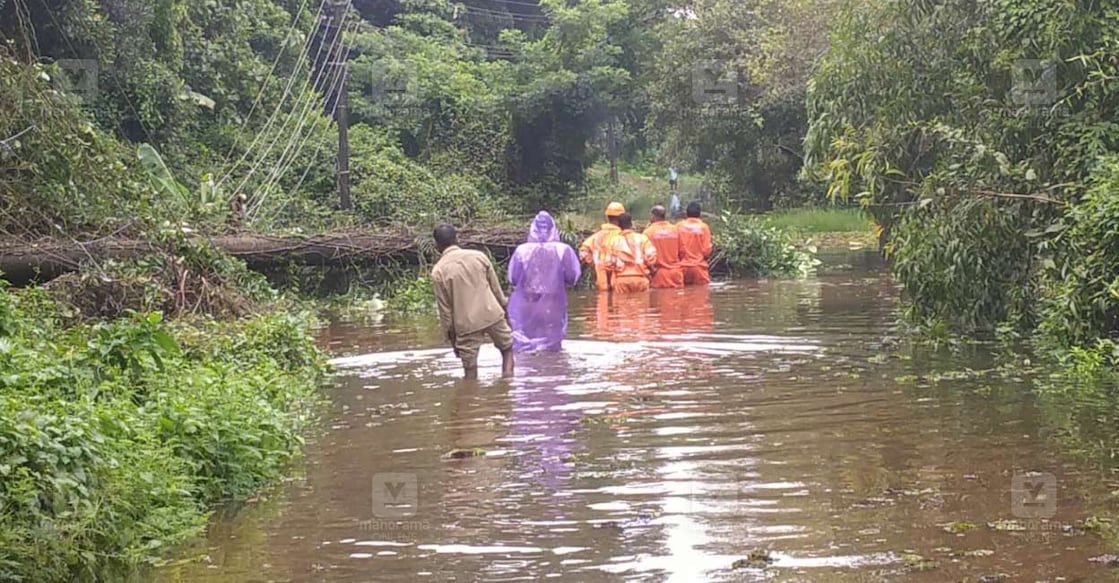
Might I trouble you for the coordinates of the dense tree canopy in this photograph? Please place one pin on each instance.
(978, 134)
(980, 128)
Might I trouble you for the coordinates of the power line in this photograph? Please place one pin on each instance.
(307, 170)
(283, 97)
(516, 3)
(281, 166)
(288, 118)
(336, 82)
(267, 79)
(533, 18)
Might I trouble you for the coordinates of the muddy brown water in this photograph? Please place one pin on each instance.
(678, 432)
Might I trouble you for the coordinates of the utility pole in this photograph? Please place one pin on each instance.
(343, 119)
(341, 110)
(612, 151)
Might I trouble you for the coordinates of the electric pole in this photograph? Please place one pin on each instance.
(343, 119)
(342, 106)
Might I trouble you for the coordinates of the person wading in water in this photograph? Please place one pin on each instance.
(540, 271)
(631, 257)
(695, 245)
(666, 239)
(595, 250)
(471, 303)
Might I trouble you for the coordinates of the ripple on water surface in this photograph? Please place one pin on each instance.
(678, 433)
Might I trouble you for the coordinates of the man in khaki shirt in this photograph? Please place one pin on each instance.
(471, 304)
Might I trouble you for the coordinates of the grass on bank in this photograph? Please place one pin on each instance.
(815, 220)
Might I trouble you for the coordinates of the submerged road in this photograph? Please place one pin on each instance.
(678, 434)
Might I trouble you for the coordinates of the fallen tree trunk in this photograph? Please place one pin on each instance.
(24, 262)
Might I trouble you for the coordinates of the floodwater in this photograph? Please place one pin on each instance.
(678, 433)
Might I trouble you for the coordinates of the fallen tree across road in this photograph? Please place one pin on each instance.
(22, 262)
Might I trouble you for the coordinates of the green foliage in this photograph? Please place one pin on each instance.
(754, 248)
(412, 294)
(391, 188)
(61, 172)
(116, 437)
(821, 220)
(965, 267)
(749, 142)
(1081, 306)
(971, 132)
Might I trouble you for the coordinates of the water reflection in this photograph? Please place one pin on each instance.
(685, 311)
(543, 422)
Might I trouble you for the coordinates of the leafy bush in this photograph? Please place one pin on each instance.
(116, 437)
(390, 187)
(1082, 293)
(967, 266)
(412, 293)
(751, 247)
(57, 170)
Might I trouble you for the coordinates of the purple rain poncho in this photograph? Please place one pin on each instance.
(540, 272)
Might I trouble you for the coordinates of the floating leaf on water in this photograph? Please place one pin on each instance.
(915, 562)
(756, 559)
(957, 527)
(459, 454)
(1094, 524)
(995, 578)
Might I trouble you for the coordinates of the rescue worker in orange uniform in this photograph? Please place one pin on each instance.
(666, 238)
(695, 246)
(631, 256)
(595, 250)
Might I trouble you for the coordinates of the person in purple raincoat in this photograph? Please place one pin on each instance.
(540, 272)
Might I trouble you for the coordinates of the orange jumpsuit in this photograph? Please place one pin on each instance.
(695, 248)
(631, 254)
(595, 251)
(666, 239)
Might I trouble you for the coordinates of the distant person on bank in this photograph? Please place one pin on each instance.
(674, 205)
(540, 272)
(667, 273)
(632, 256)
(596, 249)
(472, 306)
(695, 246)
(673, 178)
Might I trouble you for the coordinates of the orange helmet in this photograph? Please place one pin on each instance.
(615, 209)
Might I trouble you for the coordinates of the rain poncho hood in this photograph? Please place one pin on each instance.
(540, 271)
